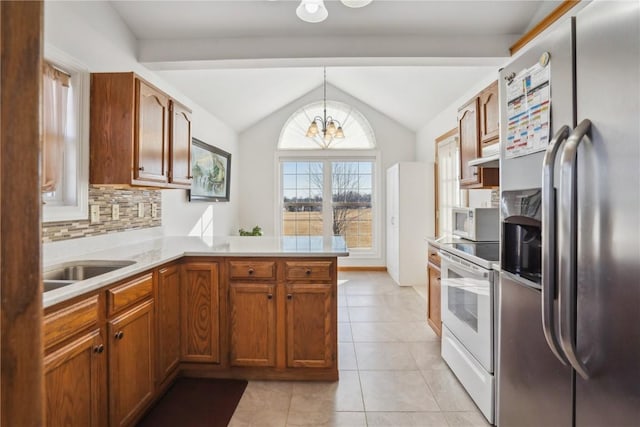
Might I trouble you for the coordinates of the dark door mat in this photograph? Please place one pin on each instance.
(195, 402)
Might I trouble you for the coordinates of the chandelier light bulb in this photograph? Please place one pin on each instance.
(312, 11)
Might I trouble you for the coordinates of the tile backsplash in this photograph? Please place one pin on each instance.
(127, 198)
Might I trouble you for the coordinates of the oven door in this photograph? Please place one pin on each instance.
(467, 306)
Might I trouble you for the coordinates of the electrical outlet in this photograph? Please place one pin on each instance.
(140, 210)
(115, 212)
(95, 214)
(154, 210)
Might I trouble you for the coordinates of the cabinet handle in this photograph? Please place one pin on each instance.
(98, 349)
(141, 168)
(250, 271)
(289, 296)
(308, 272)
(119, 335)
(270, 296)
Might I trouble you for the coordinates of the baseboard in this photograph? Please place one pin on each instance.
(362, 268)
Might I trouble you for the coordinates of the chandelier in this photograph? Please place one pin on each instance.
(325, 129)
(314, 11)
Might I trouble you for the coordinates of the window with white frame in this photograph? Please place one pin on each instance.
(449, 193)
(65, 163)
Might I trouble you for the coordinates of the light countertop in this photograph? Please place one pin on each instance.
(153, 252)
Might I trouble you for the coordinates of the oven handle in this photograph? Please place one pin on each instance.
(549, 244)
(463, 266)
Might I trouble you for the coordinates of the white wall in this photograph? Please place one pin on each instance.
(95, 35)
(258, 146)
(444, 122)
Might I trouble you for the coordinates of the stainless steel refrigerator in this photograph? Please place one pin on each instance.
(569, 293)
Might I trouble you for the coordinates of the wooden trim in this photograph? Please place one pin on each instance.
(436, 203)
(552, 17)
(362, 268)
(21, 351)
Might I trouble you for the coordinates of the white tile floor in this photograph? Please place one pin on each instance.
(391, 372)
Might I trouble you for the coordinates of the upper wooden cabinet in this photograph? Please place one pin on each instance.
(478, 127)
(489, 115)
(139, 135)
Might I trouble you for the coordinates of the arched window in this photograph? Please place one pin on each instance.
(358, 134)
(330, 191)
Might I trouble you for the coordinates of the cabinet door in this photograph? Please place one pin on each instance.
(434, 316)
(76, 383)
(168, 321)
(253, 324)
(469, 141)
(489, 115)
(200, 313)
(310, 322)
(151, 144)
(131, 370)
(180, 168)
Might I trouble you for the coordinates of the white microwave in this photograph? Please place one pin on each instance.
(477, 224)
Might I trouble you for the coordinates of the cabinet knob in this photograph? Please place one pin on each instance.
(119, 335)
(308, 272)
(250, 271)
(98, 349)
(141, 168)
(289, 296)
(270, 296)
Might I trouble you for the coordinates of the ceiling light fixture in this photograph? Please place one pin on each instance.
(314, 11)
(325, 129)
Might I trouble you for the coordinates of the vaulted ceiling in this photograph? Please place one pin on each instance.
(242, 60)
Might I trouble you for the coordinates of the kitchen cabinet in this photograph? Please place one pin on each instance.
(433, 291)
(410, 204)
(489, 115)
(476, 126)
(283, 316)
(75, 373)
(253, 324)
(167, 299)
(309, 325)
(138, 134)
(131, 331)
(200, 312)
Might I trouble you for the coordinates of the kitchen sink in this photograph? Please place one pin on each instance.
(79, 270)
(50, 285)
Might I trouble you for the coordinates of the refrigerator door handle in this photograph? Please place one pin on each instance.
(549, 243)
(567, 269)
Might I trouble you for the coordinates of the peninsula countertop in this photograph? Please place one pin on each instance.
(155, 252)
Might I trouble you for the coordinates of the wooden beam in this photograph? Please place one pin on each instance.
(552, 17)
(22, 395)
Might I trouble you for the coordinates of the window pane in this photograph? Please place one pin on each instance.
(302, 194)
(351, 207)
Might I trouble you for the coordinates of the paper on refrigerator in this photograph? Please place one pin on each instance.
(528, 111)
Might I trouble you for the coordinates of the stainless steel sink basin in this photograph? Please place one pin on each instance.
(81, 270)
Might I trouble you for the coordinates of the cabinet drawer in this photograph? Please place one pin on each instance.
(433, 256)
(129, 293)
(308, 270)
(252, 269)
(64, 323)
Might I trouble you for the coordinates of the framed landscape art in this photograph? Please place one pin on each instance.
(211, 172)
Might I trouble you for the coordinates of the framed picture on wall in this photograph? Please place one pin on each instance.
(211, 171)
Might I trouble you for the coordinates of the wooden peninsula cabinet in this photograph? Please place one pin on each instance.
(138, 134)
(434, 290)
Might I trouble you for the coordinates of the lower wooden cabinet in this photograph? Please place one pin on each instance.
(434, 313)
(76, 384)
(200, 322)
(310, 335)
(252, 313)
(131, 363)
(167, 302)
